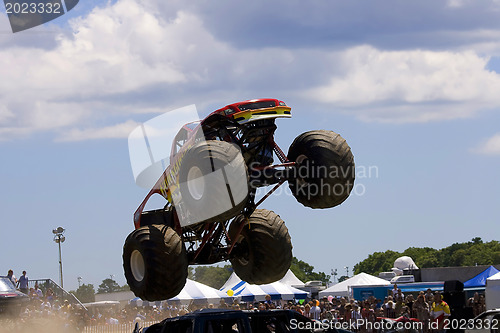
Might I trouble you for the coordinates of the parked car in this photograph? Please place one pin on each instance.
(403, 279)
(222, 321)
(11, 300)
(486, 322)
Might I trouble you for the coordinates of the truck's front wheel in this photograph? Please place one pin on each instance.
(263, 248)
(324, 174)
(155, 262)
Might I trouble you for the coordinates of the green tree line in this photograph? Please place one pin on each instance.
(458, 254)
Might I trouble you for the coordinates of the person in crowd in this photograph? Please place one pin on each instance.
(394, 290)
(439, 311)
(46, 305)
(390, 311)
(262, 307)
(49, 295)
(37, 292)
(32, 294)
(315, 312)
(409, 300)
(12, 277)
(327, 313)
(341, 307)
(482, 303)
(23, 283)
(355, 316)
(429, 297)
(399, 296)
(421, 311)
(372, 317)
(347, 313)
(307, 310)
(398, 307)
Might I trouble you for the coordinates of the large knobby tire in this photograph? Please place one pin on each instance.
(155, 262)
(325, 170)
(264, 248)
(213, 182)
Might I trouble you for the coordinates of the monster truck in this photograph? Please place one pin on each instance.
(212, 215)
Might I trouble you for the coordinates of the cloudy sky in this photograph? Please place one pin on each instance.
(414, 87)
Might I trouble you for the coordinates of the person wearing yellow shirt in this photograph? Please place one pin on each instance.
(440, 311)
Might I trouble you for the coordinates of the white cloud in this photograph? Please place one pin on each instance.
(128, 57)
(490, 146)
(5, 113)
(411, 86)
(110, 132)
(114, 50)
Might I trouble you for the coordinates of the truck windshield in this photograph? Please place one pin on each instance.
(257, 105)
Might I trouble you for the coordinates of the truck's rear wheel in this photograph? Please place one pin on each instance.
(213, 182)
(324, 174)
(155, 262)
(263, 248)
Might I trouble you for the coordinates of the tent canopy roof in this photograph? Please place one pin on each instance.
(277, 290)
(196, 290)
(480, 279)
(361, 279)
(494, 277)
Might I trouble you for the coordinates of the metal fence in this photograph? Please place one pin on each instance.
(59, 293)
(117, 328)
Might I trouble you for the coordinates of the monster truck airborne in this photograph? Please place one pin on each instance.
(216, 166)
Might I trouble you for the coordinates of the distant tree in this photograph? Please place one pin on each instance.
(125, 287)
(343, 278)
(305, 272)
(457, 254)
(85, 293)
(108, 286)
(213, 276)
(477, 240)
(377, 262)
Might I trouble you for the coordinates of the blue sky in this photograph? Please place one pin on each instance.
(413, 87)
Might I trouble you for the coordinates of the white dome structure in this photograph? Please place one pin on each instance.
(404, 262)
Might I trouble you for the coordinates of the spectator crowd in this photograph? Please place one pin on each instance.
(426, 307)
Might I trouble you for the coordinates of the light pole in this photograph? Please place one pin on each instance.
(59, 238)
(347, 270)
(79, 281)
(334, 274)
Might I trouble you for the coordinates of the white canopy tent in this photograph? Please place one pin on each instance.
(249, 292)
(492, 292)
(291, 280)
(198, 291)
(344, 288)
(192, 291)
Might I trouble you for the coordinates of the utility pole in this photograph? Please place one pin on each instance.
(59, 238)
